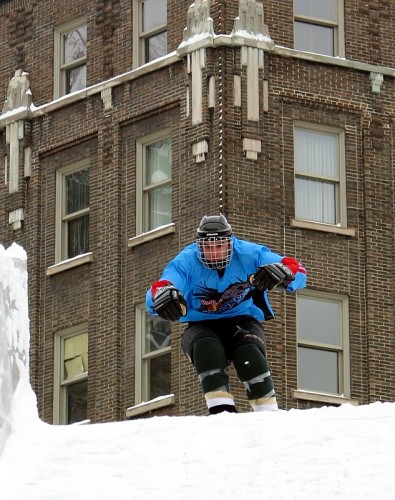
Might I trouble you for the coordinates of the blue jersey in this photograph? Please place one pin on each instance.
(212, 295)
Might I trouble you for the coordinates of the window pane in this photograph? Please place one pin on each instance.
(154, 13)
(157, 169)
(75, 356)
(77, 402)
(155, 46)
(322, 9)
(74, 45)
(159, 207)
(159, 376)
(77, 191)
(318, 370)
(78, 236)
(314, 38)
(158, 162)
(75, 79)
(319, 320)
(317, 153)
(157, 334)
(315, 201)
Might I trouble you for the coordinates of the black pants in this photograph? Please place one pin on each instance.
(231, 332)
(212, 345)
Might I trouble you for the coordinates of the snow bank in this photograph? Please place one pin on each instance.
(14, 343)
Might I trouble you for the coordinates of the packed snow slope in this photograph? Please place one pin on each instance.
(328, 453)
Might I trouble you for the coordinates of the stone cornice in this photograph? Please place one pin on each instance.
(334, 61)
(32, 111)
(234, 39)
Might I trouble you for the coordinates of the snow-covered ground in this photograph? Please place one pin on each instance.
(345, 453)
(328, 453)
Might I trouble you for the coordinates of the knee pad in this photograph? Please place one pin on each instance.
(253, 370)
(210, 361)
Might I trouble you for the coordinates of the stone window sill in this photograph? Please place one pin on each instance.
(70, 264)
(318, 226)
(152, 235)
(323, 398)
(148, 406)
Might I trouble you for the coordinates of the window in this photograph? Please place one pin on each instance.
(71, 375)
(70, 58)
(153, 356)
(72, 209)
(323, 353)
(319, 174)
(319, 26)
(150, 33)
(154, 188)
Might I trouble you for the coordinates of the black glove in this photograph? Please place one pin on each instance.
(271, 276)
(169, 303)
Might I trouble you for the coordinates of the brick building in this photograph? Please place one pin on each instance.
(124, 121)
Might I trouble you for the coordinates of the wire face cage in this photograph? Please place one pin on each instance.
(215, 252)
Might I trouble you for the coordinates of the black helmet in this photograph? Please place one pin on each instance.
(212, 230)
(214, 226)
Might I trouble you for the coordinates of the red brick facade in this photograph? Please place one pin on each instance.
(256, 195)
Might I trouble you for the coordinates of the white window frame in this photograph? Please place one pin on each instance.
(139, 36)
(142, 215)
(61, 236)
(141, 368)
(338, 28)
(343, 350)
(340, 182)
(60, 410)
(60, 69)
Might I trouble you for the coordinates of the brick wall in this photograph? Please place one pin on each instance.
(257, 196)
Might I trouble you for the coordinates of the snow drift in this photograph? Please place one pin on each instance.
(14, 340)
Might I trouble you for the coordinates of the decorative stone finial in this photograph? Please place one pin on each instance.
(250, 23)
(199, 27)
(18, 93)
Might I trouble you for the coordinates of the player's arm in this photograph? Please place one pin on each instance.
(287, 274)
(167, 301)
(270, 276)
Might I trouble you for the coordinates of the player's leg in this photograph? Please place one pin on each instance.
(205, 350)
(252, 367)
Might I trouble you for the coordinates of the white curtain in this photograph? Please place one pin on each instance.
(158, 182)
(311, 32)
(314, 38)
(316, 176)
(321, 9)
(320, 339)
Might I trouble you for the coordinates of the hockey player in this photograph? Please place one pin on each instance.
(219, 285)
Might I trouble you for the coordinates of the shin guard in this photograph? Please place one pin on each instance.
(253, 370)
(210, 363)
